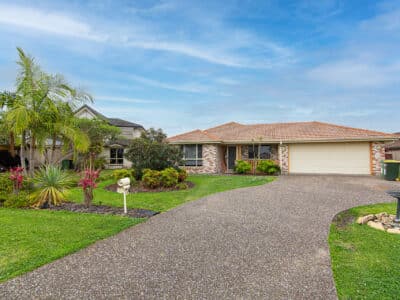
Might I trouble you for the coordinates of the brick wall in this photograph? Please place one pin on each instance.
(211, 161)
(378, 154)
(283, 154)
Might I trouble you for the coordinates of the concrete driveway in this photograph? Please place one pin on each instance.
(264, 242)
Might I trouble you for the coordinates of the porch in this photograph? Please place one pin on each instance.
(251, 153)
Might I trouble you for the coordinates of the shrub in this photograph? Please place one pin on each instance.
(88, 184)
(51, 184)
(122, 173)
(100, 162)
(182, 186)
(151, 178)
(17, 177)
(242, 167)
(169, 177)
(6, 185)
(182, 175)
(22, 199)
(150, 151)
(268, 167)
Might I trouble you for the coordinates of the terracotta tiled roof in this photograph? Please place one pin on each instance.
(395, 145)
(276, 132)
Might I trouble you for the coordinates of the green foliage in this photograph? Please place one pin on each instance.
(268, 167)
(99, 163)
(151, 178)
(150, 153)
(99, 133)
(169, 177)
(42, 108)
(242, 167)
(105, 175)
(182, 175)
(22, 199)
(154, 135)
(51, 184)
(122, 173)
(182, 186)
(6, 186)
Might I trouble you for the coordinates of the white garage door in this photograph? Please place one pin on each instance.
(330, 158)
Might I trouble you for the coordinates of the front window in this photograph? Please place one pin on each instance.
(253, 152)
(259, 152)
(265, 152)
(116, 156)
(192, 155)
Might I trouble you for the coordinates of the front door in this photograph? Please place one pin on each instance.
(231, 157)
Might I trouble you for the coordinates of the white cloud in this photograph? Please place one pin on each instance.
(187, 87)
(349, 73)
(50, 22)
(221, 52)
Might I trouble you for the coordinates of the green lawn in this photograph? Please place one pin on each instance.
(204, 185)
(365, 261)
(32, 238)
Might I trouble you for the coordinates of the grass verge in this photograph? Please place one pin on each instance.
(32, 238)
(365, 261)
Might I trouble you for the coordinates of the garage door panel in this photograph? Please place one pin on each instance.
(330, 158)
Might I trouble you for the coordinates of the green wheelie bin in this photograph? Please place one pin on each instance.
(391, 169)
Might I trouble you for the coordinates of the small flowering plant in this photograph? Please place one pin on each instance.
(88, 184)
(17, 177)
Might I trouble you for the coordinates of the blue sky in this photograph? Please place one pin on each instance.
(182, 65)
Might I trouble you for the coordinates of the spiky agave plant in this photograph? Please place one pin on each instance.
(51, 185)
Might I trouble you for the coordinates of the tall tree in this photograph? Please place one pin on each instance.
(99, 133)
(39, 106)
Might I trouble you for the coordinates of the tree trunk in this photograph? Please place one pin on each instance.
(53, 149)
(22, 152)
(88, 196)
(31, 155)
(12, 144)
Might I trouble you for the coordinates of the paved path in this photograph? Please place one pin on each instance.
(264, 242)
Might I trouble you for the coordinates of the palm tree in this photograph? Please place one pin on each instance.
(39, 109)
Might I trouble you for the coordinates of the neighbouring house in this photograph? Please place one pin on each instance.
(114, 151)
(393, 149)
(302, 147)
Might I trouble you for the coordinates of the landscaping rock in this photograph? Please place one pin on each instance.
(365, 219)
(382, 215)
(376, 225)
(394, 230)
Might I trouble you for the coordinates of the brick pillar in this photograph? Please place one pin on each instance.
(284, 158)
(377, 156)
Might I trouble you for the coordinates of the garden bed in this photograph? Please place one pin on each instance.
(104, 209)
(140, 188)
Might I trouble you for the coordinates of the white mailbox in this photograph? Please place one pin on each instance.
(124, 185)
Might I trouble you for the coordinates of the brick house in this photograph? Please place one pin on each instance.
(302, 147)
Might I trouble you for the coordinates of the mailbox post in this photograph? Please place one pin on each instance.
(396, 194)
(124, 185)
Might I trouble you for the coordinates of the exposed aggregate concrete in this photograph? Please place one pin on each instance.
(257, 242)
